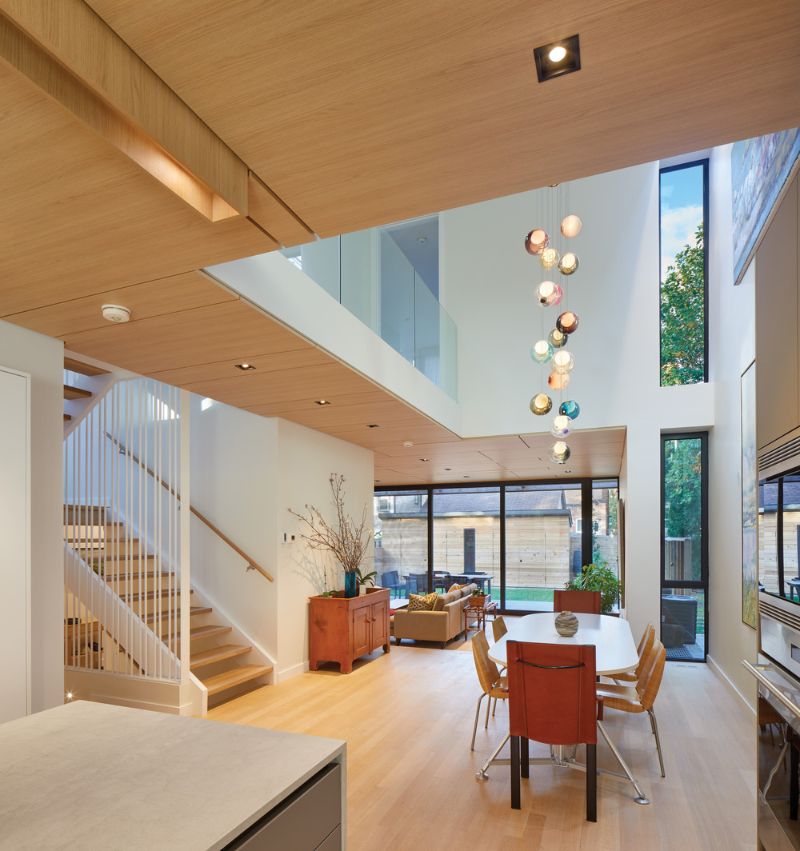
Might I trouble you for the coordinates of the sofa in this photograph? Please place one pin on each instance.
(440, 626)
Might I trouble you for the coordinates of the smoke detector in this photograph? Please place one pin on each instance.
(115, 313)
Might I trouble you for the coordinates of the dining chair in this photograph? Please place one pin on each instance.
(640, 698)
(499, 629)
(642, 650)
(551, 689)
(493, 685)
(587, 602)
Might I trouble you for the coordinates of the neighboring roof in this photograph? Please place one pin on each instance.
(455, 503)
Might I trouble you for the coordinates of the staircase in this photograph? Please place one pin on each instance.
(127, 576)
(227, 668)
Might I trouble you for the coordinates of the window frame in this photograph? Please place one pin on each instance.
(586, 485)
(702, 583)
(704, 162)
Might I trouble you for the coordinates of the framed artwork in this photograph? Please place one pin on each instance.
(760, 169)
(749, 498)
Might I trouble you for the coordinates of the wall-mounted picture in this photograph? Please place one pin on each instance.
(749, 498)
(760, 168)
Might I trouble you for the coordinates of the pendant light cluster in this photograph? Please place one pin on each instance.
(551, 349)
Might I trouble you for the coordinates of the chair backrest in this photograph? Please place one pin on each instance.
(488, 675)
(587, 602)
(499, 628)
(552, 692)
(645, 646)
(652, 673)
(418, 583)
(390, 579)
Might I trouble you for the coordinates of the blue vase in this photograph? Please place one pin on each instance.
(351, 584)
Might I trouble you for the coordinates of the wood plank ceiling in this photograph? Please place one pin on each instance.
(327, 119)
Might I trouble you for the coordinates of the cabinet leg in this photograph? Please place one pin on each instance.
(346, 667)
(386, 647)
(313, 666)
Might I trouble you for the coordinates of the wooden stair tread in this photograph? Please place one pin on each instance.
(135, 577)
(71, 392)
(218, 654)
(193, 610)
(138, 596)
(74, 365)
(210, 631)
(234, 677)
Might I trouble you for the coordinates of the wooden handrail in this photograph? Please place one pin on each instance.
(252, 564)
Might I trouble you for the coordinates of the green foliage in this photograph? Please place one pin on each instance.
(683, 493)
(595, 577)
(683, 316)
(363, 578)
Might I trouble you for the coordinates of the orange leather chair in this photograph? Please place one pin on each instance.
(587, 602)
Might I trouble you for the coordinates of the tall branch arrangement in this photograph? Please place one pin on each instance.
(346, 539)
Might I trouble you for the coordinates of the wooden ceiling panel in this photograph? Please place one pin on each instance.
(358, 113)
(77, 217)
(154, 298)
(217, 332)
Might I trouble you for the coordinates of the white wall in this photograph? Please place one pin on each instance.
(42, 358)
(234, 476)
(732, 343)
(488, 287)
(247, 471)
(307, 459)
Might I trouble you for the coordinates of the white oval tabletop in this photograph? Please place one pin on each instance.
(612, 638)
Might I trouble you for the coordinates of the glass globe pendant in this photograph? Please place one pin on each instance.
(568, 264)
(549, 294)
(536, 241)
(570, 409)
(560, 453)
(561, 425)
(567, 323)
(541, 351)
(557, 338)
(558, 380)
(549, 257)
(571, 225)
(541, 404)
(563, 361)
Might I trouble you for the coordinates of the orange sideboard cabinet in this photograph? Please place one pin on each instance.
(340, 629)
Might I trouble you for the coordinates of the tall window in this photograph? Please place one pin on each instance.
(401, 538)
(684, 273)
(684, 545)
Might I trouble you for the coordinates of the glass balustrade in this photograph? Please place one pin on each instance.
(370, 274)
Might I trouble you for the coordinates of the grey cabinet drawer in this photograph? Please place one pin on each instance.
(308, 819)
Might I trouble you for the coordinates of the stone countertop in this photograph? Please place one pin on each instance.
(93, 776)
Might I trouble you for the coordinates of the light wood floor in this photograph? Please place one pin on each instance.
(407, 718)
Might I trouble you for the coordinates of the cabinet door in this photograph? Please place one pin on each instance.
(361, 630)
(378, 616)
(776, 324)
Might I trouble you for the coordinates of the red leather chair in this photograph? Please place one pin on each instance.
(552, 699)
(587, 602)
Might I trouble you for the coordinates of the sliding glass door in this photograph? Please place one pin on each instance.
(684, 545)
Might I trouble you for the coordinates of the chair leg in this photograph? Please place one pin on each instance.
(591, 782)
(488, 707)
(515, 777)
(494, 707)
(654, 725)
(475, 725)
(524, 757)
(482, 774)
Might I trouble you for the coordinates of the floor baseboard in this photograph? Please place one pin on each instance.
(717, 669)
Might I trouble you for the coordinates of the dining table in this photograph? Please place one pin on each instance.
(615, 653)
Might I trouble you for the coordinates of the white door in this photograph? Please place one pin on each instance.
(14, 545)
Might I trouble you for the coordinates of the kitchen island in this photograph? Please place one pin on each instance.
(93, 776)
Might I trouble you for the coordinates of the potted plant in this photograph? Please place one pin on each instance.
(598, 577)
(345, 538)
(477, 599)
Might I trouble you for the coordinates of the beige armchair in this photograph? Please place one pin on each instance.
(441, 626)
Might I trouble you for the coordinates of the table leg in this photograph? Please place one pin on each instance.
(515, 773)
(525, 758)
(794, 787)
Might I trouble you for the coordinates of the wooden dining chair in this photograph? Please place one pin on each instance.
(499, 628)
(586, 602)
(643, 650)
(552, 699)
(641, 697)
(493, 685)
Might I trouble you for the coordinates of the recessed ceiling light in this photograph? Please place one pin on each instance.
(407, 444)
(424, 459)
(447, 469)
(557, 58)
(322, 402)
(115, 313)
(245, 367)
(422, 240)
(373, 425)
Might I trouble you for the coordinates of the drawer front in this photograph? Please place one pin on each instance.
(303, 822)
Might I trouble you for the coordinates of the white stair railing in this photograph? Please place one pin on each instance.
(126, 556)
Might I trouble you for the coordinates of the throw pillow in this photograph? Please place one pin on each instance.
(454, 587)
(438, 603)
(421, 602)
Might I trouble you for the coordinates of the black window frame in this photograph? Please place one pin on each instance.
(702, 583)
(704, 162)
(586, 485)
